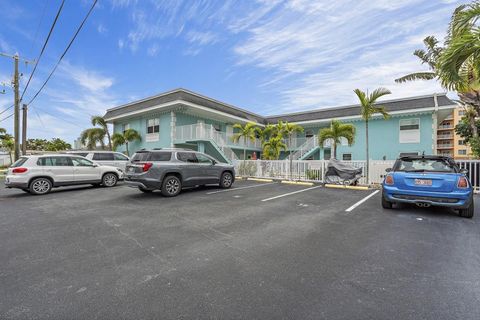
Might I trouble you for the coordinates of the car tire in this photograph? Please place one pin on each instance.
(145, 190)
(40, 186)
(171, 186)
(385, 203)
(467, 212)
(226, 180)
(109, 180)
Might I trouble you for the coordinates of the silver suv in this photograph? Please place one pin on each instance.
(169, 170)
(38, 174)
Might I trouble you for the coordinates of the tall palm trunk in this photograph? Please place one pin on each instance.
(290, 154)
(126, 147)
(109, 139)
(244, 156)
(368, 157)
(334, 145)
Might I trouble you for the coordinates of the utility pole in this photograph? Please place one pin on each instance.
(16, 116)
(16, 89)
(24, 129)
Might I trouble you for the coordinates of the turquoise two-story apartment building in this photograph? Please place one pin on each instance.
(181, 118)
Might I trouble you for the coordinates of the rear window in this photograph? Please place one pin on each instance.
(120, 157)
(424, 165)
(103, 156)
(81, 154)
(151, 156)
(19, 162)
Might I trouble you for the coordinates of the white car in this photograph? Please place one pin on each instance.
(108, 158)
(38, 174)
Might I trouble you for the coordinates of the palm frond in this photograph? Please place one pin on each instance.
(417, 76)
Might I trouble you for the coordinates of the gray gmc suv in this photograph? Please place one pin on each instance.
(169, 170)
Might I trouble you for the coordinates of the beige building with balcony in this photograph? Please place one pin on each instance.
(448, 142)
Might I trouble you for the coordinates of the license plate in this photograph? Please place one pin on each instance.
(423, 182)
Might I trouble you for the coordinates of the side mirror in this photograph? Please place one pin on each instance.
(214, 162)
(463, 171)
(388, 170)
(95, 165)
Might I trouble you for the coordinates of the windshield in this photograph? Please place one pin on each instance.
(424, 165)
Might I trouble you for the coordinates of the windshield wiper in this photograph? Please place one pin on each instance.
(415, 170)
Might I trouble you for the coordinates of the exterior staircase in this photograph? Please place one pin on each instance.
(306, 149)
(206, 133)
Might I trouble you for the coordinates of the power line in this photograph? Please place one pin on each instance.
(64, 52)
(55, 116)
(7, 109)
(43, 48)
(39, 25)
(11, 115)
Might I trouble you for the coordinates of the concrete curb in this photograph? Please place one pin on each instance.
(339, 186)
(260, 179)
(300, 183)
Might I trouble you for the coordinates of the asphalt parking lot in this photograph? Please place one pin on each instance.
(258, 251)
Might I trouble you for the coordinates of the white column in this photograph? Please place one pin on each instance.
(173, 127)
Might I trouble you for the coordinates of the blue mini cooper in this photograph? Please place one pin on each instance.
(428, 181)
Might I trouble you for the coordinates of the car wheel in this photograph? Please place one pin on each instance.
(226, 180)
(40, 186)
(385, 203)
(467, 212)
(145, 190)
(109, 180)
(171, 186)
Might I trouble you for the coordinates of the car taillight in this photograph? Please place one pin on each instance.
(389, 179)
(462, 182)
(19, 170)
(147, 166)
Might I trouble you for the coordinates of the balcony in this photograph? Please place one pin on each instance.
(444, 136)
(446, 127)
(445, 146)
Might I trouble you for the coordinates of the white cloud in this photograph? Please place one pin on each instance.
(153, 50)
(102, 29)
(202, 38)
(85, 78)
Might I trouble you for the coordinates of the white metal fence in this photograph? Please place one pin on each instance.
(314, 170)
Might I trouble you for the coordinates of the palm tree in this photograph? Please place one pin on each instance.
(92, 137)
(127, 136)
(266, 133)
(7, 142)
(368, 108)
(287, 130)
(430, 57)
(273, 147)
(337, 131)
(245, 132)
(100, 121)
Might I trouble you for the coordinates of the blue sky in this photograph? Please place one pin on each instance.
(267, 56)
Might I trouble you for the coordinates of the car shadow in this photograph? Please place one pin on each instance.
(188, 190)
(59, 190)
(432, 211)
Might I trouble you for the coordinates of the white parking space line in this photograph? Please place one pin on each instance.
(240, 188)
(290, 193)
(362, 201)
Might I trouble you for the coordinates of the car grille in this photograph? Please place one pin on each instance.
(420, 198)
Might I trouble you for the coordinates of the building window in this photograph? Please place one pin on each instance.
(217, 127)
(125, 127)
(461, 142)
(347, 157)
(462, 152)
(153, 126)
(461, 113)
(343, 141)
(409, 131)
